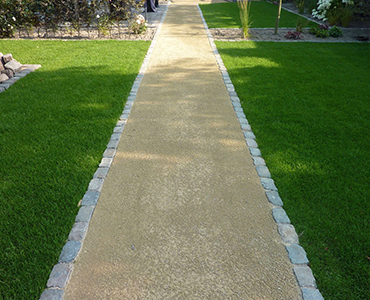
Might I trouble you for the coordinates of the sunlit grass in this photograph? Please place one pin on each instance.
(54, 127)
(262, 15)
(310, 112)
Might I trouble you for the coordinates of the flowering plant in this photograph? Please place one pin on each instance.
(139, 24)
(323, 6)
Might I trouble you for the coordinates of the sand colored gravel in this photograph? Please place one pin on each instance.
(182, 213)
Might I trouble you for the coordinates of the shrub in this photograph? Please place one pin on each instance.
(335, 31)
(244, 11)
(335, 11)
(296, 35)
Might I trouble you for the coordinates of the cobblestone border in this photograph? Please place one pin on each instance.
(27, 69)
(296, 253)
(62, 271)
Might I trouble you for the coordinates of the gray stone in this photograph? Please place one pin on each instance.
(115, 136)
(3, 77)
(311, 294)
(70, 251)
(113, 144)
(249, 135)
(268, 184)
(246, 127)
(84, 214)
(263, 171)
(96, 184)
(297, 255)
(235, 99)
(5, 85)
(238, 109)
(240, 115)
(52, 294)
(78, 231)
(124, 117)
(255, 151)
(280, 215)
(8, 73)
(251, 143)
(259, 161)
(101, 173)
(288, 233)
(274, 198)
(106, 162)
(59, 276)
(2, 89)
(1, 65)
(13, 65)
(13, 80)
(7, 58)
(90, 198)
(304, 276)
(118, 129)
(109, 153)
(243, 120)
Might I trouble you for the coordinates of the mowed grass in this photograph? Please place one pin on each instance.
(54, 127)
(263, 15)
(309, 106)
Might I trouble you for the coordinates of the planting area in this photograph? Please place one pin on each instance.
(54, 127)
(308, 105)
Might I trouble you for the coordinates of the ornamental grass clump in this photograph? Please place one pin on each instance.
(334, 11)
(245, 18)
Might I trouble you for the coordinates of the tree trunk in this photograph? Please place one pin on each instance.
(278, 17)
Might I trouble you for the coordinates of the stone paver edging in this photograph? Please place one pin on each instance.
(26, 69)
(296, 253)
(62, 271)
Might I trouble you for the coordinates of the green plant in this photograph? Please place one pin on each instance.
(335, 31)
(139, 24)
(301, 24)
(104, 23)
(245, 18)
(321, 31)
(300, 4)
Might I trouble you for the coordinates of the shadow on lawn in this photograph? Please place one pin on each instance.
(54, 127)
(308, 106)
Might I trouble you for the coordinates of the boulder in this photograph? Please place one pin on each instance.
(13, 65)
(3, 77)
(7, 58)
(8, 72)
(1, 66)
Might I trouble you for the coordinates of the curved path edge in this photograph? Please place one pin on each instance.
(296, 253)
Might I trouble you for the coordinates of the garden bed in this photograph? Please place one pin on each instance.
(268, 34)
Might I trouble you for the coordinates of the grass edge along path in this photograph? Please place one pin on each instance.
(262, 14)
(308, 105)
(55, 125)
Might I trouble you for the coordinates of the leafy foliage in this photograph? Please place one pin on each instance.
(53, 14)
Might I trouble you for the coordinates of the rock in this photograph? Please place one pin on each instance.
(8, 72)
(13, 65)
(7, 58)
(1, 66)
(3, 77)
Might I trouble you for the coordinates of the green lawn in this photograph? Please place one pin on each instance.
(263, 15)
(309, 106)
(54, 127)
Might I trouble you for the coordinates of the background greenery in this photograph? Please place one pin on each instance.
(309, 106)
(262, 14)
(54, 127)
